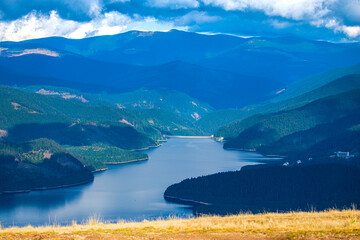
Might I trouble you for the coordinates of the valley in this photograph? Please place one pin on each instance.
(72, 108)
(131, 191)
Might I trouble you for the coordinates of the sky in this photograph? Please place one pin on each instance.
(329, 20)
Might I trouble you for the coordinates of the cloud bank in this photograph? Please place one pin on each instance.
(37, 25)
(319, 19)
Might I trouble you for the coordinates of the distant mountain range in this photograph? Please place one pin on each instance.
(218, 88)
(211, 68)
(283, 59)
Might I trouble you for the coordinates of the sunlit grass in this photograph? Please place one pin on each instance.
(331, 222)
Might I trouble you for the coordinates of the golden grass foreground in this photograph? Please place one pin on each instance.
(331, 224)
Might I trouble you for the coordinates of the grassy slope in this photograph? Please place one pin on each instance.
(162, 99)
(33, 151)
(97, 156)
(315, 81)
(331, 224)
(226, 120)
(214, 120)
(169, 122)
(15, 109)
(340, 135)
(167, 110)
(80, 124)
(268, 128)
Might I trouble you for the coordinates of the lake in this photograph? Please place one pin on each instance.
(132, 191)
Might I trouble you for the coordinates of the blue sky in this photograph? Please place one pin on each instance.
(331, 20)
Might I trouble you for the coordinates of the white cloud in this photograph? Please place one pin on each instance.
(153, 24)
(115, 1)
(173, 4)
(351, 31)
(319, 13)
(279, 24)
(227, 4)
(36, 25)
(334, 24)
(341, 16)
(351, 10)
(92, 8)
(195, 17)
(293, 9)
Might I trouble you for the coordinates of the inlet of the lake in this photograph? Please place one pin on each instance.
(131, 191)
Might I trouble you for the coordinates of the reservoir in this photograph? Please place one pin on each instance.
(132, 191)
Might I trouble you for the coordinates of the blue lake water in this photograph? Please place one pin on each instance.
(131, 191)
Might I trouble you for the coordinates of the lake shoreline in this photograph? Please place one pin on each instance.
(46, 188)
(183, 201)
(193, 203)
(190, 137)
(125, 162)
(147, 148)
(71, 185)
(114, 193)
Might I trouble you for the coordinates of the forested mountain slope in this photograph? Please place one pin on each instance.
(39, 164)
(337, 86)
(260, 131)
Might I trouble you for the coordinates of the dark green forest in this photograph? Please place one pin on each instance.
(271, 188)
(39, 164)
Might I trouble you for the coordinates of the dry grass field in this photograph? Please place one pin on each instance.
(332, 224)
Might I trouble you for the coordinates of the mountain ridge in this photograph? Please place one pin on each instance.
(214, 51)
(215, 87)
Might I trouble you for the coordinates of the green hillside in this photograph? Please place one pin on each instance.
(163, 110)
(337, 86)
(315, 81)
(324, 139)
(263, 130)
(39, 164)
(97, 131)
(25, 116)
(160, 99)
(332, 84)
(232, 130)
(19, 107)
(168, 122)
(214, 120)
(33, 151)
(168, 111)
(97, 156)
